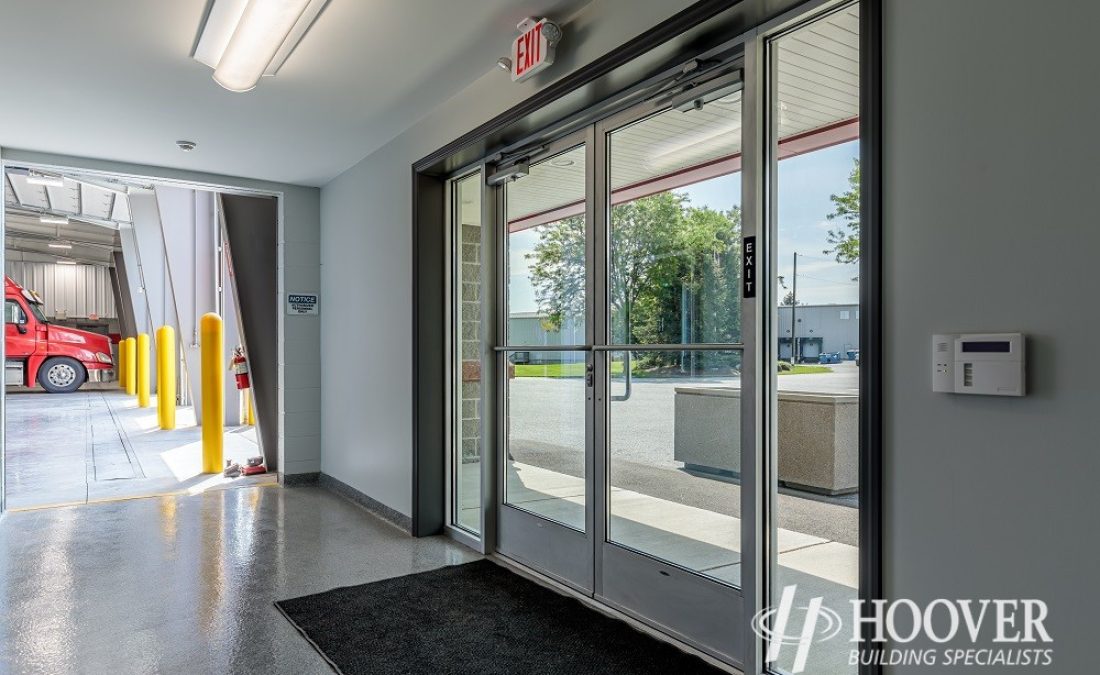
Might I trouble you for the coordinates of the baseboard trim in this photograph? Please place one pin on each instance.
(299, 479)
(376, 507)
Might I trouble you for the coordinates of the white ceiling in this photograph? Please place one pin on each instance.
(76, 198)
(113, 79)
(25, 238)
(658, 145)
(818, 78)
(95, 208)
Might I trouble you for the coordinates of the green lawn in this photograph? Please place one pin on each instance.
(806, 370)
(560, 369)
(577, 370)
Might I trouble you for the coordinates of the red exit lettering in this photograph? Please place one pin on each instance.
(528, 50)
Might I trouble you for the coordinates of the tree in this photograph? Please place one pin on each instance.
(644, 251)
(845, 238)
(788, 300)
(674, 267)
(557, 271)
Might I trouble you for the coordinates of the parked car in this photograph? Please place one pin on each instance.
(829, 357)
(39, 352)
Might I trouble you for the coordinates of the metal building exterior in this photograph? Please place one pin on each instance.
(820, 328)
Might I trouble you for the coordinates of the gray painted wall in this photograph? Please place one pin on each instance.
(299, 257)
(366, 262)
(991, 179)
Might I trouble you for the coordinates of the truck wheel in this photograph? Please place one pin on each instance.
(61, 375)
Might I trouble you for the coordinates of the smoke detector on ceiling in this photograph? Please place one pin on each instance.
(186, 146)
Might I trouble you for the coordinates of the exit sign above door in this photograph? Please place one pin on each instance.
(533, 50)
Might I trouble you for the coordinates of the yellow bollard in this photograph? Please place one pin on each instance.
(143, 370)
(212, 346)
(121, 364)
(249, 411)
(166, 377)
(131, 366)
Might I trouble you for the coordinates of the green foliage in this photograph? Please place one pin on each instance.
(674, 267)
(845, 238)
(557, 271)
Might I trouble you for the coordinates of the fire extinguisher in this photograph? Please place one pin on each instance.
(239, 364)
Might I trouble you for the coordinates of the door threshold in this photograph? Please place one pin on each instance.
(610, 611)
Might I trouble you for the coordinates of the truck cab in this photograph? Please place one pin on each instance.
(38, 352)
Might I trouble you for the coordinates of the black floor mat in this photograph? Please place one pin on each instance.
(474, 618)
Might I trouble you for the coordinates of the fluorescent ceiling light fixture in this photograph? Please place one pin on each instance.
(243, 40)
(66, 262)
(53, 220)
(48, 181)
(59, 244)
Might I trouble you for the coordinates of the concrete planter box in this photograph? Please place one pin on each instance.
(818, 436)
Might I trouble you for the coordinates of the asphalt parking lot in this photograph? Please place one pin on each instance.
(551, 411)
(547, 431)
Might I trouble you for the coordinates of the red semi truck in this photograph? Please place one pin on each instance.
(37, 351)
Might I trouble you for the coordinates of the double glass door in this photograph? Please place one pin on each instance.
(658, 371)
(619, 366)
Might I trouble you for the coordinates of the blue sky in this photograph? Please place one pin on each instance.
(805, 184)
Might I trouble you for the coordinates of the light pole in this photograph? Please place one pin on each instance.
(794, 304)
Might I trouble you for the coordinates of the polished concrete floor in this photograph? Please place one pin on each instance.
(185, 584)
(97, 444)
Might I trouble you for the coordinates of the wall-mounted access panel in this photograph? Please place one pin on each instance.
(992, 364)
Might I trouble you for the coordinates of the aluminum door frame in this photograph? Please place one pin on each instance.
(758, 323)
(481, 541)
(702, 612)
(546, 546)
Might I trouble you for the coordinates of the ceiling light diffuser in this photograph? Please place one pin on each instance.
(53, 220)
(59, 245)
(47, 181)
(66, 262)
(243, 40)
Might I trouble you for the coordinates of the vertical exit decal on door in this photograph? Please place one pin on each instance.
(748, 267)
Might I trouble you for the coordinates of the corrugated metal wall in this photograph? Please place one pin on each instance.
(79, 290)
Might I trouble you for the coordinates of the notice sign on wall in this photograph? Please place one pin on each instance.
(301, 303)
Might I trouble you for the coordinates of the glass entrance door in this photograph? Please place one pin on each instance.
(659, 440)
(546, 369)
(670, 351)
(619, 370)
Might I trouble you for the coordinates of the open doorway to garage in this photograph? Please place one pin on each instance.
(94, 265)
